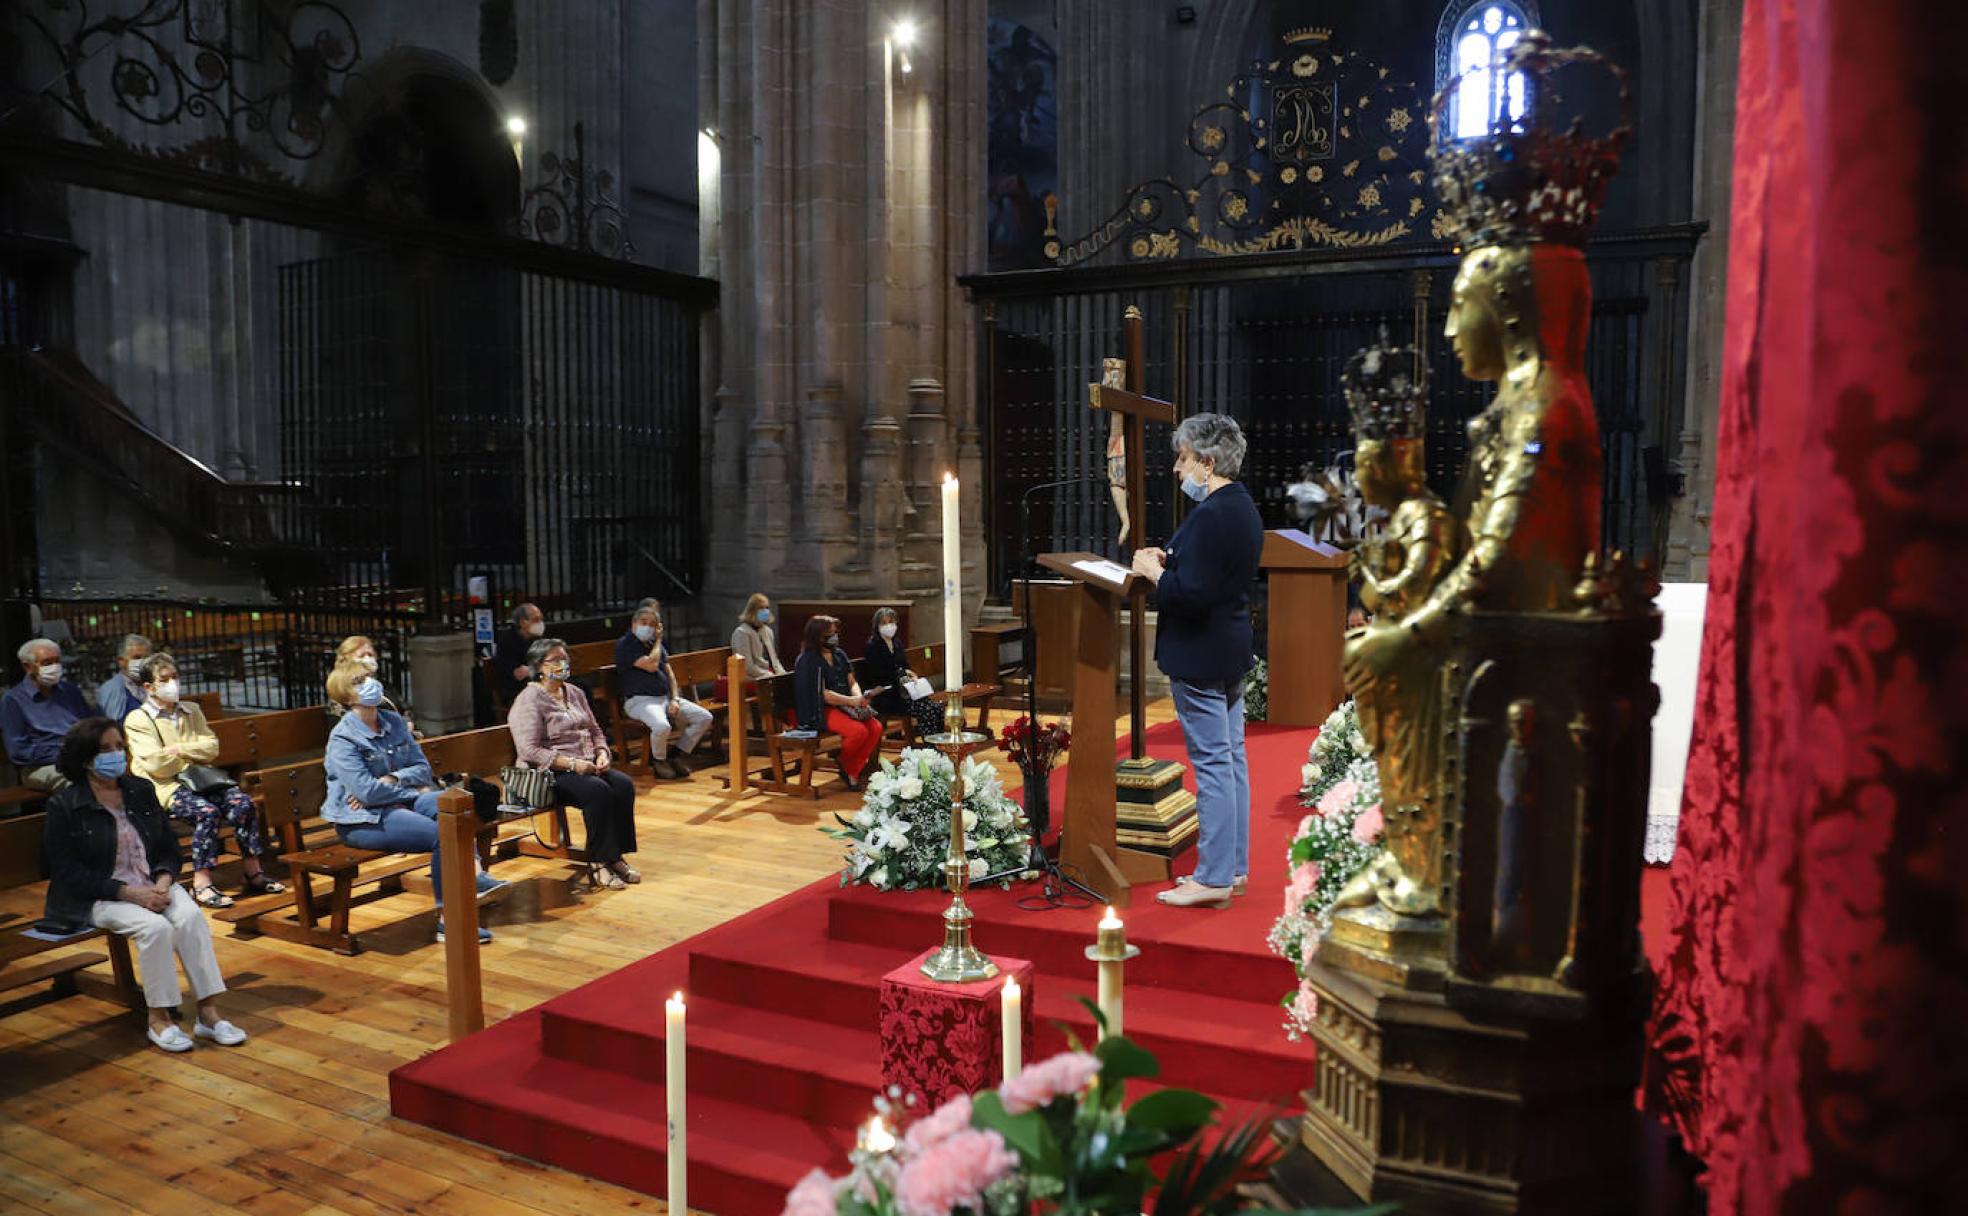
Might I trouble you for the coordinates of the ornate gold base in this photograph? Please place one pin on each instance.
(957, 961)
(1406, 951)
(1417, 1104)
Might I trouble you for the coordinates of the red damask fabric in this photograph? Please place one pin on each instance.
(940, 1040)
(1809, 1039)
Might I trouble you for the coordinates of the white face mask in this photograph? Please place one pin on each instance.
(49, 674)
(535, 629)
(130, 667)
(888, 632)
(366, 661)
(165, 691)
(645, 633)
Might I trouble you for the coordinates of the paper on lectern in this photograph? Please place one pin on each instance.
(1106, 571)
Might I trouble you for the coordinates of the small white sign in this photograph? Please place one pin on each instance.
(1104, 570)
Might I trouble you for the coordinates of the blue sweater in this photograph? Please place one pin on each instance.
(358, 759)
(633, 681)
(1204, 630)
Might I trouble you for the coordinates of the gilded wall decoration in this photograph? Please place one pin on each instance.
(1318, 147)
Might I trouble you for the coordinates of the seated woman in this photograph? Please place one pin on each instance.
(112, 862)
(358, 653)
(753, 641)
(169, 740)
(382, 794)
(887, 669)
(553, 728)
(829, 698)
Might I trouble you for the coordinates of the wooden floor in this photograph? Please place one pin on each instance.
(93, 1119)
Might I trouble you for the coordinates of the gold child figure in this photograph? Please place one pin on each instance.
(1400, 715)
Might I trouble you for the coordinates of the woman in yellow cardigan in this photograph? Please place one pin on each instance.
(166, 736)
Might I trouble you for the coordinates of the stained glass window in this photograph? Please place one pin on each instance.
(1474, 45)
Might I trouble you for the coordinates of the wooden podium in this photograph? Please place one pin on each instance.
(1115, 837)
(1305, 626)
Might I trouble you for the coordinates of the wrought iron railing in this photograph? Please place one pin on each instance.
(1263, 338)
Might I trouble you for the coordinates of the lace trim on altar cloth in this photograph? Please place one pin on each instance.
(1658, 849)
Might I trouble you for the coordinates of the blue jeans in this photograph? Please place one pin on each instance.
(1212, 717)
(402, 829)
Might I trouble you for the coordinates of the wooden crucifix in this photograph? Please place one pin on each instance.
(1135, 411)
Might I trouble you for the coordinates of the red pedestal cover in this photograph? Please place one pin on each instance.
(939, 1040)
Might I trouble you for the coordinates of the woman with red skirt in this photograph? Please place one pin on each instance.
(829, 699)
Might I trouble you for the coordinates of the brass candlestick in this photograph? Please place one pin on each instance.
(958, 962)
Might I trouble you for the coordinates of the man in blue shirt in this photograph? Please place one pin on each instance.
(121, 693)
(36, 713)
(649, 693)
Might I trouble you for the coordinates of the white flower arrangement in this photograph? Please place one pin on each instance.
(1333, 844)
(900, 837)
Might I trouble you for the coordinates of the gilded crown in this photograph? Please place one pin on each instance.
(1523, 179)
(1305, 34)
(1386, 389)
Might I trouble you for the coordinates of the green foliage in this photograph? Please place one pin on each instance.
(1257, 692)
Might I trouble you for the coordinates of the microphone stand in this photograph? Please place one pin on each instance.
(1057, 889)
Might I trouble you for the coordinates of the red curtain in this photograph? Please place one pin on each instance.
(1810, 1039)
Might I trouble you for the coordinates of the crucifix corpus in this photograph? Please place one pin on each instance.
(1134, 411)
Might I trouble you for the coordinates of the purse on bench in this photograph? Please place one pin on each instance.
(532, 788)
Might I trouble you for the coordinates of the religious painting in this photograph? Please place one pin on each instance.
(1022, 133)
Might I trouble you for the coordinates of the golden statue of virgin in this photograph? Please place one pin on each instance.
(1522, 199)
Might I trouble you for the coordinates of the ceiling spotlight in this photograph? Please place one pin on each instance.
(904, 33)
(515, 126)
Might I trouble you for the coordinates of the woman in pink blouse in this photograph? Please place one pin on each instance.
(553, 728)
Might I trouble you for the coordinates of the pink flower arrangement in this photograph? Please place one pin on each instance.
(953, 1172)
(1339, 797)
(1069, 1072)
(1304, 879)
(1368, 825)
(941, 1124)
(1305, 1006)
(813, 1195)
(1308, 949)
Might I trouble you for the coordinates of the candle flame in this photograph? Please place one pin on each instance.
(949, 478)
(1011, 986)
(877, 1138)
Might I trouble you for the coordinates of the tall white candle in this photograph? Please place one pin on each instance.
(1012, 1007)
(952, 587)
(673, 1086)
(1113, 945)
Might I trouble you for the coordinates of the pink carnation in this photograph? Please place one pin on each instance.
(1305, 1006)
(1339, 797)
(812, 1195)
(1308, 948)
(953, 1173)
(933, 1129)
(1066, 1073)
(1304, 878)
(1368, 825)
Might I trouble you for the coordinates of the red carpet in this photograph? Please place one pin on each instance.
(783, 1050)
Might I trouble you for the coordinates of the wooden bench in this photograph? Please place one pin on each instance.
(291, 796)
(255, 740)
(482, 753)
(899, 730)
(20, 866)
(776, 707)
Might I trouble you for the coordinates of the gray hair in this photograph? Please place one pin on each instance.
(536, 654)
(1213, 437)
(521, 613)
(130, 642)
(31, 645)
(148, 670)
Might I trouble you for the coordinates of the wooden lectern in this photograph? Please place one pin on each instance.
(1305, 626)
(1087, 831)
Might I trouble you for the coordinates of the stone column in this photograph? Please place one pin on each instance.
(826, 537)
(1686, 558)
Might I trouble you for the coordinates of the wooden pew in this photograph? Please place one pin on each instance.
(927, 661)
(20, 866)
(292, 795)
(20, 800)
(776, 709)
(255, 740)
(482, 753)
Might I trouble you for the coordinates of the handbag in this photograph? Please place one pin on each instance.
(532, 788)
(860, 713)
(205, 781)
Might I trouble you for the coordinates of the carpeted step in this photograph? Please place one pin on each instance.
(499, 1089)
(775, 1061)
(1056, 942)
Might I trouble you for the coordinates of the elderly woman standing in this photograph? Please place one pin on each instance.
(1203, 645)
(752, 640)
(168, 739)
(553, 728)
